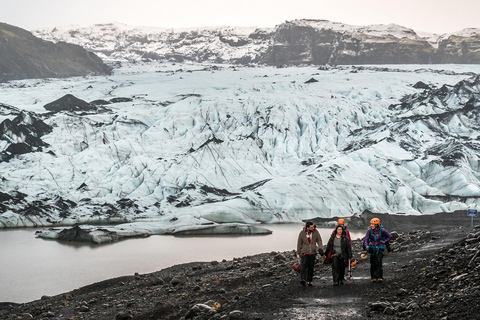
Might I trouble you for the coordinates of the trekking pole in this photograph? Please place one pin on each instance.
(349, 269)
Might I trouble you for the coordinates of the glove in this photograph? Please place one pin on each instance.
(321, 252)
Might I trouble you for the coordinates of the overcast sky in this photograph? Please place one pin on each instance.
(436, 16)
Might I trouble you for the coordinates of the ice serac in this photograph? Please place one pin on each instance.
(251, 145)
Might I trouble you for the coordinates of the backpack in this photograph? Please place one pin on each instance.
(374, 239)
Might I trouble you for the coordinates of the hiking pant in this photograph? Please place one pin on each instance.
(308, 263)
(338, 268)
(376, 267)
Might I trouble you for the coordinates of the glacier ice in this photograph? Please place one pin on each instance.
(245, 146)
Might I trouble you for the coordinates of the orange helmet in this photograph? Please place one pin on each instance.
(375, 221)
(341, 221)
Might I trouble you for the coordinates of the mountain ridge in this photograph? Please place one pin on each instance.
(304, 41)
(25, 56)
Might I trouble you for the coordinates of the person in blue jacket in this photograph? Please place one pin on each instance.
(375, 241)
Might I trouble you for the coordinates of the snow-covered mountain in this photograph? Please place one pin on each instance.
(196, 144)
(292, 42)
(117, 41)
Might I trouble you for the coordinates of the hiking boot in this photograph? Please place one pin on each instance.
(335, 283)
(341, 282)
(310, 284)
(303, 282)
(374, 280)
(379, 280)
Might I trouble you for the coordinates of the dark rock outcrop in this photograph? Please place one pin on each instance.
(297, 42)
(23, 134)
(69, 103)
(458, 49)
(25, 56)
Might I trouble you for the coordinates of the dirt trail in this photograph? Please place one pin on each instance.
(349, 301)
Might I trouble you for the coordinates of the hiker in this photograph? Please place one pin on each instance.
(338, 252)
(307, 242)
(388, 245)
(341, 222)
(375, 240)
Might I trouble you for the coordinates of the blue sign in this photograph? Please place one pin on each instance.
(471, 213)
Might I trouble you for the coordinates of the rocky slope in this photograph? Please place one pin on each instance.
(292, 42)
(25, 56)
(430, 274)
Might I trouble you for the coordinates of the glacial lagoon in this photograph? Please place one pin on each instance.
(33, 267)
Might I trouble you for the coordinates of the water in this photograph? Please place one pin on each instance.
(32, 267)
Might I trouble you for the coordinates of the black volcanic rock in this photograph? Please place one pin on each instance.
(120, 99)
(24, 56)
(6, 109)
(99, 102)
(4, 196)
(421, 85)
(31, 124)
(69, 103)
(19, 148)
(24, 128)
(23, 134)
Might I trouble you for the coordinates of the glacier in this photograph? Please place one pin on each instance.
(229, 144)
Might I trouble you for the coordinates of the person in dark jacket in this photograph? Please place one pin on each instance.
(341, 222)
(307, 242)
(375, 242)
(338, 252)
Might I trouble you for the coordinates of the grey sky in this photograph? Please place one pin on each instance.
(437, 16)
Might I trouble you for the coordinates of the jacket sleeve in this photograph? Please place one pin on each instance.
(367, 237)
(386, 235)
(319, 240)
(329, 245)
(299, 243)
(349, 249)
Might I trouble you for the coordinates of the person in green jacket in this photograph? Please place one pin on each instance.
(307, 242)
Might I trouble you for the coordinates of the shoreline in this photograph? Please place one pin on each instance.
(262, 286)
